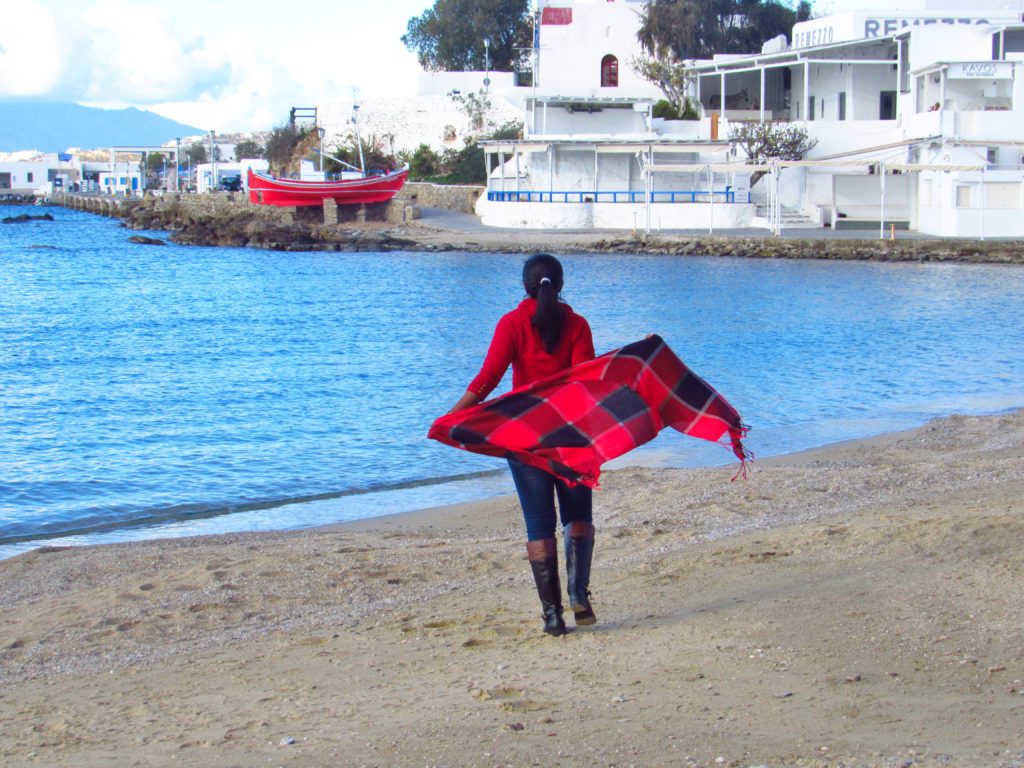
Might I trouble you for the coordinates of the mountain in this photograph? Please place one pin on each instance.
(53, 127)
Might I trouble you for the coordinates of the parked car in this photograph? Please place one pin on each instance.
(231, 183)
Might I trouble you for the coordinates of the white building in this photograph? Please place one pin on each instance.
(117, 178)
(210, 176)
(918, 113)
(590, 138)
(37, 177)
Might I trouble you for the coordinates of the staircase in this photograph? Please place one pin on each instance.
(792, 218)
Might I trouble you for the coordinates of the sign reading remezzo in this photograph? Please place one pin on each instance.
(844, 27)
(885, 27)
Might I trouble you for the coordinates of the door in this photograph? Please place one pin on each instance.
(887, 105)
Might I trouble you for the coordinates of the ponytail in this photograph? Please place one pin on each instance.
(542, 279)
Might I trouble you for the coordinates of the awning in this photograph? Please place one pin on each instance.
(716, 167)
(878, 148)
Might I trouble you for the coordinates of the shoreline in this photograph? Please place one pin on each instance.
(853, 604)
(252, 519)
(223, 220)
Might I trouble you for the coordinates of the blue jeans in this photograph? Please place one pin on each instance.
(537, 490)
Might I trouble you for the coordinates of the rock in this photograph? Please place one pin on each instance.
(143, 240)
(23, 217)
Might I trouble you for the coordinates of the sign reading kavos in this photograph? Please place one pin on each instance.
(980, 70)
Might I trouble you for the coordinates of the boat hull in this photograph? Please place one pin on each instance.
(265, 190)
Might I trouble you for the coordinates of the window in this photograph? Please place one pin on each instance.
(1013, 41)
(842, 105)
(963, 196)
(810, 103)
(609, 72)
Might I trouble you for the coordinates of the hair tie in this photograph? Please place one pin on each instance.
(545, 280)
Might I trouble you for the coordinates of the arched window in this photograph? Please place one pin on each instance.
(609, 72)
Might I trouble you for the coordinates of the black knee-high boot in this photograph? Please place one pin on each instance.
(579, 549)
(543, 556)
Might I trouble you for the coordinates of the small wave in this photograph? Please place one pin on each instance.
(146, 518)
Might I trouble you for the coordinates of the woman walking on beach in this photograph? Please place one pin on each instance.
(540, 337)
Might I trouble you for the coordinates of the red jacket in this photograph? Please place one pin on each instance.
(516, 343)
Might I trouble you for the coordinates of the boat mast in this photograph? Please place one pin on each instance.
(355, 122)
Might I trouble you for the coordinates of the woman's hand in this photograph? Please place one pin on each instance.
(467, 400)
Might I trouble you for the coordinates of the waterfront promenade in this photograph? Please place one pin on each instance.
(226, 219)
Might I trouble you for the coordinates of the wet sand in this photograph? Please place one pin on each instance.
(856, 605)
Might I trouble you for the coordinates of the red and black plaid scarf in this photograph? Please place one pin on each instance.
(572, 422)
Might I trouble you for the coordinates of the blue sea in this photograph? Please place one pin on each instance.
(150, 391)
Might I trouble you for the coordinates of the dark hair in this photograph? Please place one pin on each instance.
(542, 279)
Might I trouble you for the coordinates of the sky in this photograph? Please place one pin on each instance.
(226, 65)
(223, 65)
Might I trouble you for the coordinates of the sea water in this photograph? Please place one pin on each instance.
(150, 391)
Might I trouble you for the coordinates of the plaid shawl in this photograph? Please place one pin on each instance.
(572, 422)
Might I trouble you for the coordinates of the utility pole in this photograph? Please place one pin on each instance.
(213, 163)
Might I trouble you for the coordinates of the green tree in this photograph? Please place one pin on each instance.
(672, 76)
(683, 30)
(344, 156)
(466, 165)
(281, 144)
(155, 163)
(450, 36)
(248, 149)
(763, 142)
(196, 154)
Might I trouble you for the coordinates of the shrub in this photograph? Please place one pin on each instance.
(424, 163)
(664, 109)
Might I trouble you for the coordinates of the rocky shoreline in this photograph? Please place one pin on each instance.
(229, 220)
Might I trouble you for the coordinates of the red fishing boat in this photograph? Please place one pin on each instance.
(266, 190)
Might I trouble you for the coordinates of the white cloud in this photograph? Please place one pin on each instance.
(221, 64)
(140, 54)
(31, 55)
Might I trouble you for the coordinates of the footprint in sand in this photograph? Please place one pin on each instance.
(508, 699)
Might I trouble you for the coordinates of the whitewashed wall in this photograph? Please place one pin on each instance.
(560, 121)
(697, 216)
(570, 55)
(435, 120)
(19, 177)
(944, 212)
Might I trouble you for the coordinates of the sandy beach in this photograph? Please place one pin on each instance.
(856, 605)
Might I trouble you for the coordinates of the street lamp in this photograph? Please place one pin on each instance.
(322, 132)
(487, 62)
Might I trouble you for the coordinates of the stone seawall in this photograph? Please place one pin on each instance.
(226, 218)
(453, 198)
